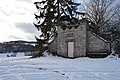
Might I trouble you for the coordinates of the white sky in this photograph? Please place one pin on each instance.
(16, 20)
(12, 13)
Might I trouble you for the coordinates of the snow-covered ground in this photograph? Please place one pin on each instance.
(57, 68)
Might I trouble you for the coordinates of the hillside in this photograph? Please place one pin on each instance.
(17, 46)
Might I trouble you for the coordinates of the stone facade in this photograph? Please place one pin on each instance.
(82, 41)
(96, 43)
(53, 46)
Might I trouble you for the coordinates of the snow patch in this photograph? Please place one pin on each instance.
(58, 68)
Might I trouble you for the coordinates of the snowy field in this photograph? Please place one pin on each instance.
(57, 68)
(4, 55)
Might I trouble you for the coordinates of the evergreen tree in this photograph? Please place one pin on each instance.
(51, 14)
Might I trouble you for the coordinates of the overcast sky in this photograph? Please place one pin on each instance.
(16, 20)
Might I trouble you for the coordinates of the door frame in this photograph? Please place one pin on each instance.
(66, 47)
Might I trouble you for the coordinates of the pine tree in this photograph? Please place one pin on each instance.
(54, 13)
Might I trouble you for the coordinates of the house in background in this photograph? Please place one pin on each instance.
(78, 41)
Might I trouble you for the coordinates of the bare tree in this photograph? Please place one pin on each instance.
(105, 19)
(100, 13)
(115, 21)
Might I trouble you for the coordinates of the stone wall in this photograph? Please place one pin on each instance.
(53, 46)
(83, 39)
(96, 43)
(77, 35)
